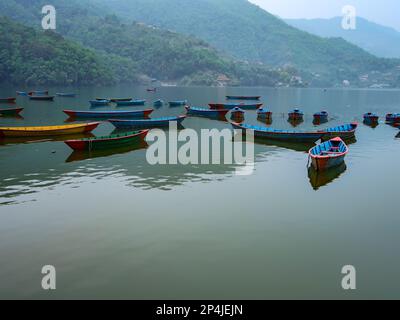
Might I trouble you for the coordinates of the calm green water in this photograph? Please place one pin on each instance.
(116, 227)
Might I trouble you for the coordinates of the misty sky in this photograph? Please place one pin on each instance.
(386, 12)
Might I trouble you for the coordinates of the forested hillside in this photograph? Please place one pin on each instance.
(248, 32)
(44, 57)
(137, 52)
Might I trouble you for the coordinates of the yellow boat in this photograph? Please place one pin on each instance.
(48, 130)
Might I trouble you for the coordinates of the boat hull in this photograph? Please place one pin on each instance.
(254, 98)
(47, 131)
(42, 98)
(150, 123)
(108, 142)
(10, 112)
(66, 95)
(131, 103)
(177, 103)
(280, 135)
(207, 113)
(231, 106)
(99, 103)
(345, 132)
(108, 114)
(322, 159)
(8, 100)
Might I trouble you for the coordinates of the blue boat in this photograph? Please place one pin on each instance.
(177, 103)
(393, 118)
(108, 114)
(149, 123)
(264, 113)
(328, 154)
(207, 113)
(158, 103)
(98, 103)
(66, 95)
(235, 105)
(344, 132)
(320, 117)
(131, 103)
(22, 93)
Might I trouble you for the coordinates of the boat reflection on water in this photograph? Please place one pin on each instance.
(295, 122)
(85, 155)
(371, 124)
(300, 147)
(320, 179)
(317, 122)
(266, 121)
(23, 140)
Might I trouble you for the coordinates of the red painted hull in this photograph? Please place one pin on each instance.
(8, 100)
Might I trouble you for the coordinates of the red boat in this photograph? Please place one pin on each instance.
(8, 100)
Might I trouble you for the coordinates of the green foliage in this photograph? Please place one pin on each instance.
(136, 52)
(248, 32)
(44, 57)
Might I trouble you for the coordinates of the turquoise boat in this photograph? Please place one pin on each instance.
(131, 103)
(148, 123)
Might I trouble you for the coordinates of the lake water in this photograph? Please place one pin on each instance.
(116, 227)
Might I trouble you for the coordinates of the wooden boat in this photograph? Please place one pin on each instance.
(243, 98)
(47, 131)
(149, 123)
(320, 117)
(131, 103)
(328, 154)
(66, 95)
(158, 103)
(118, 99)
(296, 115)
(8, 100)
(264, 114)
(10, 112)
(235, 105)
(393, 118)
(109, 114)
(345, 132)
(237, 114)
(202, 112)
(107, 142)
(177, 103)
(280, 135)
(98, 103)
(41, 97)
(38, 92)
(371, 117)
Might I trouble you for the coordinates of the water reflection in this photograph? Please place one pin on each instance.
(25, 140)
(85, 155)
(371, 124)
(320, 179)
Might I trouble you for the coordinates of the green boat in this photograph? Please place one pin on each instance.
(108, 142)
(10, 112)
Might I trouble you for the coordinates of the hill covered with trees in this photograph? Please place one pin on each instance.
(249, 32)
(129, 51)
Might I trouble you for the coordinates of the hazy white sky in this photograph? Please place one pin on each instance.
(386, 12)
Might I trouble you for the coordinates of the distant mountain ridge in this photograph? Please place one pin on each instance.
(251, 33)
(377, 39)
